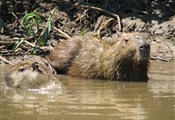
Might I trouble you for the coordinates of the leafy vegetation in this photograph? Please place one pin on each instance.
(32, 24)
(26, 25)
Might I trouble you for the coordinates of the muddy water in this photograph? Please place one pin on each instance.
(95, 99)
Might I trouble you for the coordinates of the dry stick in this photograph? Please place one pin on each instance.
(63, 33)
(32, 45)
(98, 23)
(5, 60)
(104, 11)
(79, 18)
(161, 59)
(3, 42)
(79, 2)
(104, 25)
(16, 19)
(2, 46)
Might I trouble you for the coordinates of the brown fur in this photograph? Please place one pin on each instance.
(30, 75)
(89, 57)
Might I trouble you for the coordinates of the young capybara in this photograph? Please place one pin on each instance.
(31, 75)
(90, 57)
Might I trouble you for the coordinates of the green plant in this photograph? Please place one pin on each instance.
(47, 30)
(85, 30)
(31, 23)
(17, 44)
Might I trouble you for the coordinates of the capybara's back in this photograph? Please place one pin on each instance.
(89, 57)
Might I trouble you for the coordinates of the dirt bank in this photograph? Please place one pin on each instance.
(154, 18)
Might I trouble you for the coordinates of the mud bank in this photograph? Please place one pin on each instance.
(155, 19)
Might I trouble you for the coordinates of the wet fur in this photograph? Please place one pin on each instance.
(29, 75)
(90, 57)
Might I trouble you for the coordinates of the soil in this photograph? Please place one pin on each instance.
(154, 18)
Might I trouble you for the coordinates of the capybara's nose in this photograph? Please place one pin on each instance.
(144, 48)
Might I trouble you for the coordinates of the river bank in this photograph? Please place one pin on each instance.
(155, 19)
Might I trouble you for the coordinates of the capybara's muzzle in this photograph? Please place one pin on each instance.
(144, 49)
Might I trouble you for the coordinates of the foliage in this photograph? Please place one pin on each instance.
(84, 31)
(17, 44)
(33, 23)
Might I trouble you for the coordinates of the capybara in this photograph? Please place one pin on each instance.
(89, 57)
(31, 75)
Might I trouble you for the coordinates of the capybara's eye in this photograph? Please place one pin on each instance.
(21, 69)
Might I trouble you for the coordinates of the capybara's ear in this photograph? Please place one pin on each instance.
(35, 66)
(50, 67)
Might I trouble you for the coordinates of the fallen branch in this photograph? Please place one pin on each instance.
(104, 11)
(161, 59)
(5, 60)
(60, 31)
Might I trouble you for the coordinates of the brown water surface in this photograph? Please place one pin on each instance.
(95, 99)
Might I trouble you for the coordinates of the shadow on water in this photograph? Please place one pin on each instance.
(94, 99)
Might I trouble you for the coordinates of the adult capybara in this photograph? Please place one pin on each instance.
(90, 57)
(31, 75)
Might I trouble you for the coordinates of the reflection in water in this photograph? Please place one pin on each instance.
(162, 78)
(110, 99)
(95, 99)
(162, 88)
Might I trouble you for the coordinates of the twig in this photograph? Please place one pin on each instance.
(5, 60)
(137, 11)
(99, 21)
(16, 19)
(104, 11)
(32, 45)
(104, 25)
(60, 31)
(82, 16)
(77, 3)
(6, 42)
(2, 46)
(161, 59)
(49, 48)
